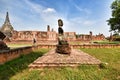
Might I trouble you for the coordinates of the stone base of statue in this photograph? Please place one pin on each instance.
(3, 46)
(63, 47)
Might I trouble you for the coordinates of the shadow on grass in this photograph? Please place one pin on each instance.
(10, 68)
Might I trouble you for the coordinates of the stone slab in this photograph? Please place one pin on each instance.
(53, 59)
(63, 49)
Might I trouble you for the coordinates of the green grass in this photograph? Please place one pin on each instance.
(18, 65)
(75, 43)
(18, 68)
(18, 45)
(106, 42)
(80, 73)
(110, 56)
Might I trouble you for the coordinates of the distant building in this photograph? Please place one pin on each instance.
(70, 36)
(90, 37)
(47, 36)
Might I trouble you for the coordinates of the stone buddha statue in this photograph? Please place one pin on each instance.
(60, 30)
(60, 24)
(63, 46)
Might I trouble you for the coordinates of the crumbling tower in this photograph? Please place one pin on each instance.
(48, 28)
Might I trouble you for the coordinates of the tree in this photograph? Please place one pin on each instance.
(114, 22)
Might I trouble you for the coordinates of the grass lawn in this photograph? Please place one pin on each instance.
(106, 42)
(18, 45)
(18, 65)
(110, 56)
(18, 69)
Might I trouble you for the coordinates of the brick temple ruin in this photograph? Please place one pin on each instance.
(48, 36)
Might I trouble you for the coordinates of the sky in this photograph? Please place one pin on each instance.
(80, 16)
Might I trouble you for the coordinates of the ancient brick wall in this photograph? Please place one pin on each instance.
(14, 53)
(84, 46)
(44, 36)
(30, 35)
(8, 55)
(70, 36)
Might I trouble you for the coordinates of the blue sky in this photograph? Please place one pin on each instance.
(80, 16)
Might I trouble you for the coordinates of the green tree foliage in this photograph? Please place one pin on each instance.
(114, 22)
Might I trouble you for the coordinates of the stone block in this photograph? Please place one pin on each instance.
(63, 49)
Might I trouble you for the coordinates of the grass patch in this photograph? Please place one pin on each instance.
(106, 42)
(18, 68)
(110, 56)
(18, 45)
(17, 65)
(80, 73)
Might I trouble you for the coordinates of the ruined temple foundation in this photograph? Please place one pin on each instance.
(52, 59)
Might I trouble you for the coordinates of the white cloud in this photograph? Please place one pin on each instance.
(49, 10)
(82, 9)
(34, 7)
(48, 16)
(81, 21)
(88, 23)
(39, 8)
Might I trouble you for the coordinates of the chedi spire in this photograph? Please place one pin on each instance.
(7, 21)
(7, 27)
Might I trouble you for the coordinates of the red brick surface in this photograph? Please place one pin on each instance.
(52, 59)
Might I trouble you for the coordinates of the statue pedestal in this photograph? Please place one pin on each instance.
(63, 48)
